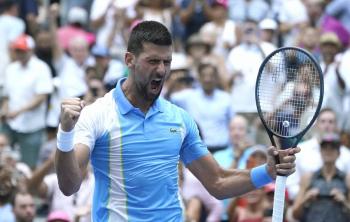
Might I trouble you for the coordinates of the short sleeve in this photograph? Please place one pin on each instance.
(87, 127)
(192, 147)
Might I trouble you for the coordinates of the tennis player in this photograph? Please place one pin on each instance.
(135, 140)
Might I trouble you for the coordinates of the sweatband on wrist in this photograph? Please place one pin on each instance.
(65, 140)
(259, 176)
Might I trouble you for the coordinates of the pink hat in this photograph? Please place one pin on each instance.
(58, 215)
(223, 3)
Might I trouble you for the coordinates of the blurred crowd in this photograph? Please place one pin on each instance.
(55, 49)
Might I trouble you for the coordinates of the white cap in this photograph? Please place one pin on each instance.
(178, 62)
(77, 14)
(268, 23)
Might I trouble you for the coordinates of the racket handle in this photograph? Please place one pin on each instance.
(278, 201)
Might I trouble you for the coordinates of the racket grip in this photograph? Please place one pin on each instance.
(278, 201)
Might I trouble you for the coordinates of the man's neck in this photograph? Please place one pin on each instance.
(134, 98)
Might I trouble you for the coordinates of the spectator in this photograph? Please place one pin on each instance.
(209, 106)
(326, 123)
(96, 89)
(251, 206)
(196, 197)
(220, 31)
(199, 49)
(108, 70)
(45, 185)
(242, 10)
(243, 64)
(179, 77)
(340, 9)
(23, 207)
(77, 20)
(10, 28)
(103, 15)
(293, 18)
(193, 14)
(324, 194)
(7, 188)
(27, 86)
(334, 80)
(28, 12)
(268, 31)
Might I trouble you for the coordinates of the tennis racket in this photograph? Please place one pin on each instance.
(288, 94)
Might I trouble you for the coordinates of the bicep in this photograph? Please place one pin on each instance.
(82, 155)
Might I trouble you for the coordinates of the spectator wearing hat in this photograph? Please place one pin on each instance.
(27, 85)
(324, 194)
(268, 31)
(199, 49)
(10, 28)
(334, 80)
(77, 21)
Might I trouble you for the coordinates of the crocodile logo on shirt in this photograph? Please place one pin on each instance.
(175, 130)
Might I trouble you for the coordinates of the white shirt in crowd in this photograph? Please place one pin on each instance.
(246, 59)
(22, 84)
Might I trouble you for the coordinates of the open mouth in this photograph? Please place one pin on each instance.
(155, 84)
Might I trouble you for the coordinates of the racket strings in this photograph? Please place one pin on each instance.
(288, 92)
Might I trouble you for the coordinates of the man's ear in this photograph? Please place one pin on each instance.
(129, 59)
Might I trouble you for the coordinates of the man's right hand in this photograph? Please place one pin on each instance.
(70, 112)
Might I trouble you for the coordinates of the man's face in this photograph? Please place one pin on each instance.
(208, 78)
(149, 69)
(326, 122)
(24, 208)
(238, 130)
(22, 56)
(329, 51)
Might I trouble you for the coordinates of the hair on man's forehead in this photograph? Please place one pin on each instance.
(148, 32)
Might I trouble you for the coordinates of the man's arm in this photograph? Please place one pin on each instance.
(32, 104)
(70, 167)
(223, 183)
(71, 160)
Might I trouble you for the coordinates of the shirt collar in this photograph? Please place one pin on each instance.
(124, 104)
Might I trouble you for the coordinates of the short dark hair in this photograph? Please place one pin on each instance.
(7, 4)
(148, 31)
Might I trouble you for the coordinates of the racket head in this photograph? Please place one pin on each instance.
(289, 92)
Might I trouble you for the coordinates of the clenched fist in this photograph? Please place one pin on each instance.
(70, 112)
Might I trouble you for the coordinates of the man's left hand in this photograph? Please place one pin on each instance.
(286, 165)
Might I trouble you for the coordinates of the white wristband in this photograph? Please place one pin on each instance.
(65, 140)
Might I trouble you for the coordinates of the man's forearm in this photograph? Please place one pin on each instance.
(34, 103)
(68, 172)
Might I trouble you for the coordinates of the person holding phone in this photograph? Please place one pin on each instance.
(324, 195)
